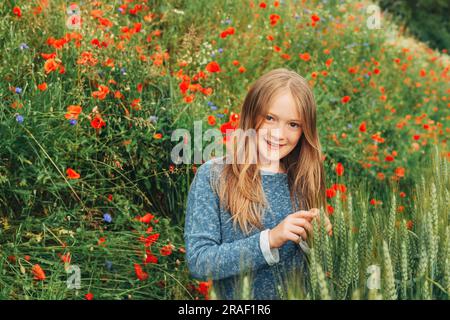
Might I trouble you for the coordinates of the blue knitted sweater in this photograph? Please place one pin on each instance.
(218, 251)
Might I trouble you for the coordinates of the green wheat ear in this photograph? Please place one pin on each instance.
(246, 291)
(374, 294)
(212, 293)
(447, 265)
(390, 293)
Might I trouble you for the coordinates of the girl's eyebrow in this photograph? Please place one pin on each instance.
(273, 114)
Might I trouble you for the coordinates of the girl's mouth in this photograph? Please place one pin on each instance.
(273, 145)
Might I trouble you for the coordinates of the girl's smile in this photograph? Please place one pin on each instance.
(274, 145)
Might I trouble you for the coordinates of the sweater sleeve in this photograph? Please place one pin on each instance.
(272, 256)
(207, 256)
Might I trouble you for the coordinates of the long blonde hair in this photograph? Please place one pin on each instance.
(239, 187)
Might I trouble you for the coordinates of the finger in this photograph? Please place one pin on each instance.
(299, 231)
(304, 223)
(304, 214)
(294, 237)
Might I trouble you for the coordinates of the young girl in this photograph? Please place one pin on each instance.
(272, 199)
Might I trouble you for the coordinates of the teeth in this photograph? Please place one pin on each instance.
(276, 145)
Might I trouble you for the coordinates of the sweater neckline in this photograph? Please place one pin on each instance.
(270, 173)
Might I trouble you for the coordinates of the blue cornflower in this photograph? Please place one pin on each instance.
(108, 265)
(153, 119)
(18, 90)
(107, 218)
(228, 21)
(123, 70)
(19, 118)
(23, 46)
(213, 55)
(220, 50)
(210, 103)
(349, 125)
(213, 107)
(73, 122)
(220, 115)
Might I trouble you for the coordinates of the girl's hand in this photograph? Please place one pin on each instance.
(294, 227)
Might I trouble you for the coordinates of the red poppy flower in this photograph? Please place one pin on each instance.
(73, 111)
(47, 56)
(274, 19)
(98, 123)
(330, 193)
(147, 218)
(101, 92)
(38, 273)
(337, 186)
(211, 120)
(151, 239)
(339, 169)
(305, 56)
(17, 11)
(42, 86)
(330, 210)
(150, 258)
(166, 250)
(345, 99)
(203, 288)
(66, 257)
(213, 67)
(409, 224)
(227, 32)
(400, 172)
(50, 65)
(363, 127)
(227, 126)
(234, 116)
(89, 296)
(72, 174)
(141, 274)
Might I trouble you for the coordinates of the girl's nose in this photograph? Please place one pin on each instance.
(277, 134)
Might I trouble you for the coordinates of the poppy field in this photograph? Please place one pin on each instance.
(91, 203)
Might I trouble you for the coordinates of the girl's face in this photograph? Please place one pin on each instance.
(280, 130)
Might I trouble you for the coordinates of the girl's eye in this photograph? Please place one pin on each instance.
(295, 125)
(268, 117)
